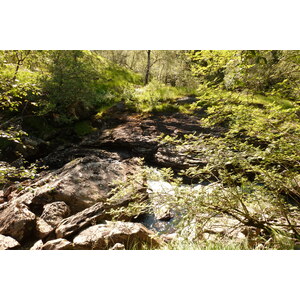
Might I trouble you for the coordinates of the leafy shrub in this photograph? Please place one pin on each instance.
(253, 165)
(80, 82)
(23, 90)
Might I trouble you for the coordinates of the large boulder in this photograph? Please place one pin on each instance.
(16, 220)
(7, 242)
(105, 236)
(80, 183)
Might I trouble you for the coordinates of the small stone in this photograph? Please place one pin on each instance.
(55, 212)
(37, 245)
(118, 246)
(259, 247)
(168, 237)
(58, 244)
(43, 229)
(163, 213)
(240, 236)
(7, 242)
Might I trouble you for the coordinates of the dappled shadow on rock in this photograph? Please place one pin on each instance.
(68, 200)
(80, 183)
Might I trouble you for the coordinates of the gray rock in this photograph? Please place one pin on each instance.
(163, 213)
(169, 237)
(130, 135)
(97, 213)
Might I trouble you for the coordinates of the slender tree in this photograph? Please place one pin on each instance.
(148, 67)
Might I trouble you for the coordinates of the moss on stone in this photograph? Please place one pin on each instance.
(82, 128)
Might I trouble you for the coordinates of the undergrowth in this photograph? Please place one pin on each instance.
(156, 97)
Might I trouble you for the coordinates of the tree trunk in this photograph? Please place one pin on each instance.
(16, 71)
(148, 67)
(20, 60)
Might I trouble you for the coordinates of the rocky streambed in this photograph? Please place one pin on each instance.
(69, 206)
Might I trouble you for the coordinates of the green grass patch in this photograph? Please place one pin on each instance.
(157, 97)
(165, 108)
(283, 103)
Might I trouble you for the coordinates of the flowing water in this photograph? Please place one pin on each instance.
(162, 218)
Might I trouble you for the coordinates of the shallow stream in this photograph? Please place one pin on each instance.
(164, 219)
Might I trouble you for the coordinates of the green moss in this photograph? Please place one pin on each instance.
(165, 107)
(102, 110)
(83, 128)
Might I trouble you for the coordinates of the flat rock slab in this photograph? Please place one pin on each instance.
(81, 220)
(178, 158)
(63, 156)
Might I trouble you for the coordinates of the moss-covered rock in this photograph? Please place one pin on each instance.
(82, 128)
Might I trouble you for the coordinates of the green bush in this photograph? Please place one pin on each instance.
(254, 166)
(80, 82)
